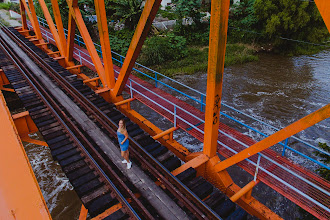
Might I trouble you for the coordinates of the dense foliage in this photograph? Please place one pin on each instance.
(299, 20)
(127, 11)
(10, 6)
(120, 40)
(187, 9)
(242, 17)
(324, 172)
(159, 49)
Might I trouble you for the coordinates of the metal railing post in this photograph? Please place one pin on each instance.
(201, 102)
(80, 57)
(285, 145)
(130, 87)
(257, 168)
(174, 115)
(156, 76)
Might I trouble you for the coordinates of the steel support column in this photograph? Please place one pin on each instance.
(302, 124)
(60, 45)
(216, 61)
(23, 16)
(33, 18)
(149, 12)
(59, 25)
(105, 42)
(71, 32)
(76, 14)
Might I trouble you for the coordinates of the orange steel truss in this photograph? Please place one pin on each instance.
(207, 163)
(21, 197)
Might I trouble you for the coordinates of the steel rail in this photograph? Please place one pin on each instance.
(182, 192)
(69, 126)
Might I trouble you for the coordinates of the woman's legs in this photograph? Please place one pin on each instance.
(129, 163)
(126, 155)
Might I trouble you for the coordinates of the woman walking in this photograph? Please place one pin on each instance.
(123, 142)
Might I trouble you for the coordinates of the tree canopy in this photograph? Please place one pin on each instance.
(299, 20)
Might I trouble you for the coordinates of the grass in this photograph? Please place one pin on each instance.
(4, 22)
(197, 60)
(5, 6)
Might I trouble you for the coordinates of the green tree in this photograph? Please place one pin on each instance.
(188, 8)
(127, 11)
(242, 16)
(292, 19)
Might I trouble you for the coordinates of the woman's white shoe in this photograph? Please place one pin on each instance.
(124, 161)
(129, 165)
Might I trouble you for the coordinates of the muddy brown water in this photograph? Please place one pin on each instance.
(277, 90)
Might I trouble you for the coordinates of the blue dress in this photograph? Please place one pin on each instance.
(121, 137)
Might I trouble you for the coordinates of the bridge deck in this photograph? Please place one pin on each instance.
(270, 172)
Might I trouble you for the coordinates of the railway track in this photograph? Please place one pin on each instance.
(97, 180)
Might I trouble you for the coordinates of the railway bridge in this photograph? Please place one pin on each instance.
(77, 116)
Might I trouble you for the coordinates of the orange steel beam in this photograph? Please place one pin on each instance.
(25, 126)
(194, 163)
(24, 123)
(32, 17)
(21, 197)
(4, 81)
(246, 189)
(149, 12)
(71, 34)
(23, 16)
(108, 212)
(76, 14)
(33, 141)
(74, 67)
(59, 25)
(91, 80)
(168, 131)
(216, 61)
(83, 213)
(324, 8)
(60, 45)
(275, 138)
(124, 101)
(105, 42)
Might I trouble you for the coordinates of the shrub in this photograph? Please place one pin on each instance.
(15, 7)
(159, 49)
(324, 172)
(5, 6)
(120, 40)
(197, 35)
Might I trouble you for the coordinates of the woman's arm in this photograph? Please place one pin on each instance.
(126, 137)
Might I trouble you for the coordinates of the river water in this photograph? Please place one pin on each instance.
(277, 90)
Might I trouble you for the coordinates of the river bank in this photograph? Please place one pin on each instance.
(197, 60)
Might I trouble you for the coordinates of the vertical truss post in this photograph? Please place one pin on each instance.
(23, 15)
(216, 60)
(76, 14)
(33, 18)
(52, 28)
(71, 32)
(105, 42)
(59, 25)
(149, 12)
